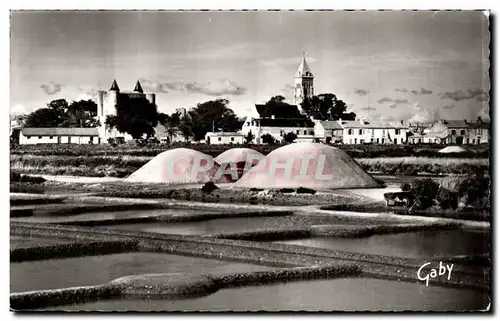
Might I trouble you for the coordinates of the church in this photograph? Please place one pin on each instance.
(278, 121)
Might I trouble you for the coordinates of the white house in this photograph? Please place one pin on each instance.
(59, 136)
(219, 138)
(455, 132)
(373, 132)
(277, 121)
(328, 131)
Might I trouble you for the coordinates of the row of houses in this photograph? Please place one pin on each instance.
(263, 121)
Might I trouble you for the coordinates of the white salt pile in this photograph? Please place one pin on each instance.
(179, 166)
(241, 159)
(452, 149)
(310, 165)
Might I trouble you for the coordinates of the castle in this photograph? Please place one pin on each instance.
(106, 106)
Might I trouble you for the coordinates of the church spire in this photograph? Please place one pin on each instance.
(138, 87)
(114, 86)
(304, 70)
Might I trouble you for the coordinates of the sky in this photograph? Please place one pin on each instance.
(416, 66)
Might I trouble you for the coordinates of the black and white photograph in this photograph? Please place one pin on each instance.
(250, 160)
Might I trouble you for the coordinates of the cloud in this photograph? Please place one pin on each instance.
(213, 88)
(393, 105)
(449, 106)
(51, 88)
(415, 92)
(424, 91)
(484, 113)
(19, 109)
(361, 92)
(422, 114)
(216, 88)
(367, 108)
(401, 90)
(395, 101)
(465, 94)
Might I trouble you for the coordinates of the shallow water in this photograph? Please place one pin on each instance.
(424, 244)
(94, 270)
(226, 225)
(110, 215)
(356, 294)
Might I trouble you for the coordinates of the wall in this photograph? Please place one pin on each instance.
(374, 135)
(218, 140)
(23, 140)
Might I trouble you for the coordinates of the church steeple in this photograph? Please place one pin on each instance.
(138, 87)
(304, 82)
(304, 70)
(114, 86)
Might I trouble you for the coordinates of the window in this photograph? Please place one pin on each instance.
(361, 132)
(473, 141)
(311, 132)
(305, 132)
(39, 137)
(349, 131)
(298, 132)
(398, 131)
(371, 140)
(378, 140)
(383, 140)
(355, 140)
(453, 132)
(462, 132)
(219, 139)
(28, 137)
(51, 137)
(467, 141)
(232, 139)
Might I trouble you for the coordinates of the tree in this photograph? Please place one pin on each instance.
(326, 107)
(82, 114)
(171, 123)
(208, 116)
(249, 137)
(135, 116)
(59, 114)
(290, 137)
(14, 136)
(268, 139)
(44, 117)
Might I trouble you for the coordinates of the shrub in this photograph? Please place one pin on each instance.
(304, 190)
(405, 187)
(286, 190)
(15, 177)
(31, 179)
(209, 187)
(425, 192)
(447, 199)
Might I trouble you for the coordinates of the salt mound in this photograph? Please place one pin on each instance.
(241, 159)
(310, 165)
(179, 166)
(452, 149)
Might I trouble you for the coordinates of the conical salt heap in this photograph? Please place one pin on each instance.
(241, 159)
(452, 149)
(179, 166)
(328, 168)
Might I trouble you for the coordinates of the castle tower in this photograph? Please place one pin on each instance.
(304, 82)
(138, 88)
(113, 92)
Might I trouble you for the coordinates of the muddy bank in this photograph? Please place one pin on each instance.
(222, 195)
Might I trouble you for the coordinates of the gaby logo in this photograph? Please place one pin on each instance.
(442, 269)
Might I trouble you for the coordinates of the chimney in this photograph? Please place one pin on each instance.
(402, 122)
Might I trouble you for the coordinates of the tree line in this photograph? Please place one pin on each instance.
(139, 117)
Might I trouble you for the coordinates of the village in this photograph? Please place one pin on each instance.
(274, 121)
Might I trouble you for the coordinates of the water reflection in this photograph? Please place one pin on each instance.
(325, 295)
(424, 244)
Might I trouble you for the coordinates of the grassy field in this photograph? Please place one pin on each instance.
(103, 160)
